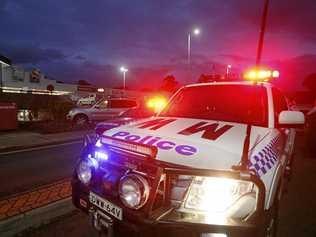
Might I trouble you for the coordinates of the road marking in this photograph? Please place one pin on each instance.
(39, 148)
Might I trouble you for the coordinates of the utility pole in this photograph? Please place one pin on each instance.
(262, 32)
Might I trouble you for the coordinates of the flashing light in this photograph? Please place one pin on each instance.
(261, 75)
(101, 155)
(275, 74)
(98, 143)
(156, 103)
(101, 90)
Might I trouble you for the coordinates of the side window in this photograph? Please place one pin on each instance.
(122, 103)
(103, 104)
(279, 103)
(130, 103)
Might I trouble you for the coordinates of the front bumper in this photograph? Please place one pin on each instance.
(163, 226)
(158, 217)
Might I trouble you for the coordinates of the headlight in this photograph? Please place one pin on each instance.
(213, 195)
(134, 191)
(84, 171)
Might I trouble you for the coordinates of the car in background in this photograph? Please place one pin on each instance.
(88, 100)
(102, 110)
(128, 116)
(310, 130)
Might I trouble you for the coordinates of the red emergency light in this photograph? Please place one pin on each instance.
(261, 75)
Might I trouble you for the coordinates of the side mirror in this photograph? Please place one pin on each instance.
(291, 119)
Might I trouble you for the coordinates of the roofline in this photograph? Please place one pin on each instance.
(265, 84)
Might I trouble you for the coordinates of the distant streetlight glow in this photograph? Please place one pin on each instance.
(196, 31)
(229, 66)
(124, 71)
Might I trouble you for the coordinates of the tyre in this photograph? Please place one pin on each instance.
(80, 120)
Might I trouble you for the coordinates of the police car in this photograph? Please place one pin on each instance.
(212, 164)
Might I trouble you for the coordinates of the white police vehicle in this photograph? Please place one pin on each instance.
(212, 164)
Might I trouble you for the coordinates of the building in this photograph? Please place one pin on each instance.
(14, 79)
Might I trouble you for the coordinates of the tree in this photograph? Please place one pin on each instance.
(169, 84)
(209, 78)
(203, 78)
(50, 88)
(310, 82)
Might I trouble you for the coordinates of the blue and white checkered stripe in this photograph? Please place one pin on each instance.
(266, 158)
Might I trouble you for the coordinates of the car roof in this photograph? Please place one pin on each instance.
(251, 83)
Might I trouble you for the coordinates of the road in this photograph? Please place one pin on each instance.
(25, 170)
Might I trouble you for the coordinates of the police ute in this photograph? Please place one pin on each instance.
(212, 163)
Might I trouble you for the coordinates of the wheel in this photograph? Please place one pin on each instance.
(80, 120)
(272, 225)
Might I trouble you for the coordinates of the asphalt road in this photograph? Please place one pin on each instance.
(25, 170)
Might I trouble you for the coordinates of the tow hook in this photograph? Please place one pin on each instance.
(101, 222)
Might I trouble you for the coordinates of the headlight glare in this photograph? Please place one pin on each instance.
(217, 195)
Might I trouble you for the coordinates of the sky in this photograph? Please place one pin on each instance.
(73, 40)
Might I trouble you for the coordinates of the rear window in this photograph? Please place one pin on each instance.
(123, 103)
(232, 103)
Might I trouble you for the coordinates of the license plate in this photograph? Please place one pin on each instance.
(106, 206)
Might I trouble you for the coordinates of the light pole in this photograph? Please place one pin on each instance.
(196, 31)
(262, 31)
(124, 71)
(228, 67)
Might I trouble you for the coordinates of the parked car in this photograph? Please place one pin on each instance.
(102, 110)
(128, 116)
(88, 100)
(310, 130)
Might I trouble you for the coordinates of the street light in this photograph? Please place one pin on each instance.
(124, 70)
(262, 32)
(195, 31)
(228, 67)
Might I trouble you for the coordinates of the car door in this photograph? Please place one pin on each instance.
(280, 104)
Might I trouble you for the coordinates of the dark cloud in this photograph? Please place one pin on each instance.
(89, 40)
(31, 54)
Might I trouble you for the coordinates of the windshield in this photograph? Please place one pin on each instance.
(233, 103)
(137, 113)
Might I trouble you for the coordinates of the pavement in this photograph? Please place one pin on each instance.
(19, 140)
(41, 196)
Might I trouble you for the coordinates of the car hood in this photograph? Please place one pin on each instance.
(204, 144)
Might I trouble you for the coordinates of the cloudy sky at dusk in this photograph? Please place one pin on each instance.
(79, 39)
